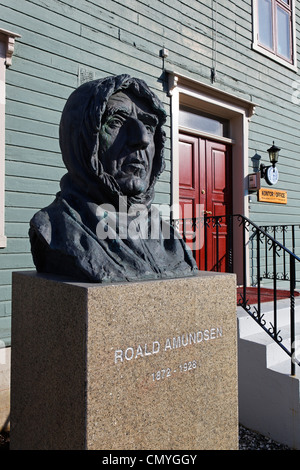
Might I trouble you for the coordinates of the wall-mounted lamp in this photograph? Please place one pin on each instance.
(273, 154)
(270, 173)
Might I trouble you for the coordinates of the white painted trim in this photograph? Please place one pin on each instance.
(7, 43)
(3, 241)
(175, 152)
(258, 48)
(177, 79)
(2, 141)
(237, 110)
(9, 37)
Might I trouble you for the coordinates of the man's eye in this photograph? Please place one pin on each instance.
(150, 128)
(115, 122)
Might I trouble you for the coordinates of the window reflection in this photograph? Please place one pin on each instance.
(283, 28)
(207, 123)
(265, 28)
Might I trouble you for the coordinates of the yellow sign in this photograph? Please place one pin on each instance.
(272, 195)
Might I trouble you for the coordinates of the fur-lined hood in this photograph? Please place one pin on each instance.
(79, 140)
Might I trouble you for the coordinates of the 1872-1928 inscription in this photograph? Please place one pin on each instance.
(172, 343)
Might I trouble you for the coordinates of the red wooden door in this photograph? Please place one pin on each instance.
(205, 187)
(189, 189)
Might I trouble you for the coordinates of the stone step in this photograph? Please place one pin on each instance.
(284, 367)
(247, 325)
(269, 396)
(273, 352)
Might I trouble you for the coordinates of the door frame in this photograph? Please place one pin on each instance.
(209, 99)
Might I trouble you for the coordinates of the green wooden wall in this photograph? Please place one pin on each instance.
(61, 39)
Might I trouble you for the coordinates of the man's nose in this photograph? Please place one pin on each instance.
(138, 137)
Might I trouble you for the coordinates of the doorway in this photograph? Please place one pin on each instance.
(209, 101)
(205, 189)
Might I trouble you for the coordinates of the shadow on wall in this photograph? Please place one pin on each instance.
(256, 162)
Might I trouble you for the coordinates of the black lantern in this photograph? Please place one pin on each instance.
(270, 173)
(273, 154)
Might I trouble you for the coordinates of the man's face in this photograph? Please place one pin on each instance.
(127, 146)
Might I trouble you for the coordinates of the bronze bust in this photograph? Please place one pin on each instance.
(102, 226)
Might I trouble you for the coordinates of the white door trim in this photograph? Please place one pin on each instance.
(210, 99)
(206, 98)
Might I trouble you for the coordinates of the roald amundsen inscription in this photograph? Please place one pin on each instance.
(169, 344)
(102, 225)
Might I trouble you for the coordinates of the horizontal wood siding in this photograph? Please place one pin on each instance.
(107, 37)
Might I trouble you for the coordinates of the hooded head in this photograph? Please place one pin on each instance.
(81, 140)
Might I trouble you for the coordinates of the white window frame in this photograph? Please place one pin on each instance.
(7, 43)
(271, 55)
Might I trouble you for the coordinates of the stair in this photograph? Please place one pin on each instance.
(269, 397)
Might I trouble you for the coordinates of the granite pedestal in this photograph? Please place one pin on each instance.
(137, 366)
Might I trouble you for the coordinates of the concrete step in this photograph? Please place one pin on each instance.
(284, 368)
(269, 397)
(271, 352)
(248, 326)
(262, 344)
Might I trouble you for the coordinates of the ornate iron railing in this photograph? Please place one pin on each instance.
(246, 241)
(287, 235)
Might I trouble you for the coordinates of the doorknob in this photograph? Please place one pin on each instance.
(207, 212)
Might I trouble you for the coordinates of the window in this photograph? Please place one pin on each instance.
(274, 32)
(206, 123)
(7, 40)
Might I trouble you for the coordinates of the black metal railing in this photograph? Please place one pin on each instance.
(288, 236)
(231, 243)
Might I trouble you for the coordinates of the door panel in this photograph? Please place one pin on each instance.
(189, 192)
(188, 167)
(218, 171)
(188, 162)
(205, 183)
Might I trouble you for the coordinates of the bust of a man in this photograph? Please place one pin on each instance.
(102, 226)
